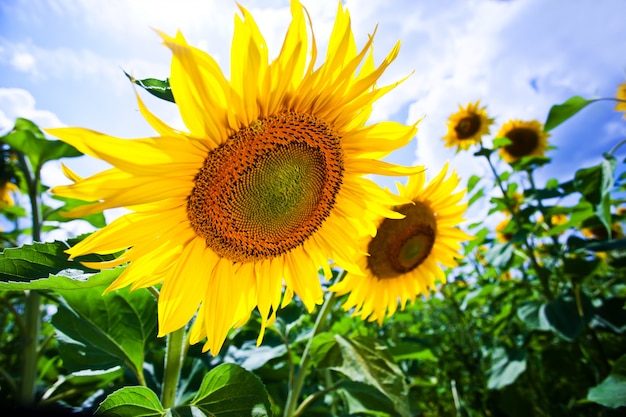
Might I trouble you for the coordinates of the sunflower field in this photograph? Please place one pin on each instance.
(257, 269)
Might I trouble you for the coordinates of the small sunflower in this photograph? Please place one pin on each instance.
(403, 258)
(6, 200)
(599, 232)
(528, 139)
(621, 95)
(467, 126)
(268, 184)
(503, 230)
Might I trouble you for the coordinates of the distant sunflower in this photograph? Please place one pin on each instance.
(266, 187)
(467, 126)
(403, 258)
(6, 200)
(621, 95)
(503, 230)
(528, 139)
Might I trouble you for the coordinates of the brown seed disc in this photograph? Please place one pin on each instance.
(524, 141)
(268, 188)
(467, 126)
(401, 245)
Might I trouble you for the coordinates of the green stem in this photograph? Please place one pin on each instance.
(173, 364)
(294, 390)
(32, 308)
(543, 277)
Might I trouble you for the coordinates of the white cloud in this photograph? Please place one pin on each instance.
(16, 102)
(23, 62)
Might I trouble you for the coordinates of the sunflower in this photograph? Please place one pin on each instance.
(621, 95)
(401, 261)
(6, 200)
(504, 232)
(467, 126)
(528, 139)
(268, 184)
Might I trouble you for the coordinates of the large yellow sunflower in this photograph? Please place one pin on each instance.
(467, 126)
(266, 186)
(621, 95)
(402, 260)
(528, 139)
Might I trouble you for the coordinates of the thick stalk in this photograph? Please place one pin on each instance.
(32, 308)
(173, 363)
(294, 390)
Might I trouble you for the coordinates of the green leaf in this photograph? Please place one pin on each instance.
(365, 361)
(612, 314)
(506, 366)
(96, 219)
(38, 260)
(230, 391)
(471, 183)
(561, 112)
(158, 88)
(132, 402)
(528, 163)
(499, 255)
(361, 399)
(528, 312)
(567, 316)
(612, 391)
(69, 279)
(411, 350)
(501, 142)
(595, 183)
(27, 138)
(99, 331)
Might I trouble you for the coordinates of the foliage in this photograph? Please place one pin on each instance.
(530, 323)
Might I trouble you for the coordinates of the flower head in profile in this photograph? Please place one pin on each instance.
(467, 126)
(527, 139)
(403, 260)
(241, 211)
(505, 230)
(621, 95)
(6, 200)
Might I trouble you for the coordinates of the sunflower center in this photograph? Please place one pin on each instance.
(467, 126)
(268, 188)
(402, 245)
(524, 141)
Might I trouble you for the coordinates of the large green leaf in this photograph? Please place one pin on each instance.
(230, 391)
(132, 402)
(506, 366)
(363, 399)
(561, 112)
(35, 261)
(612, 391)
(27, 138)
(99, 331)
(595, 184)
(365, 361)
(567, 315)
(69, 279)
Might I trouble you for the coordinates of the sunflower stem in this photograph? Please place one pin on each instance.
(173, 363)
(296, 388)
(32, 307)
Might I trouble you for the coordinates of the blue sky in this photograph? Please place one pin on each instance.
(61, 64)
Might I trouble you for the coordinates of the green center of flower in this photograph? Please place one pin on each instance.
(523, 141)
(268, 188)
(467, 126)
(401, 245)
